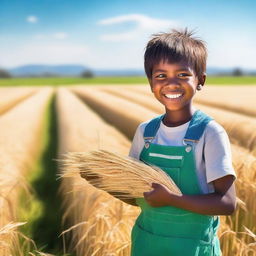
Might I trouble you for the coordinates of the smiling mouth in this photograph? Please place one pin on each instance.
(173, 96)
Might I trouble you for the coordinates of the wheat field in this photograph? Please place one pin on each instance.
(106, 117)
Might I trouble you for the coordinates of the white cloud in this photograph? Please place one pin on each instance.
(32, 19)
(142, 21)
(144, 25)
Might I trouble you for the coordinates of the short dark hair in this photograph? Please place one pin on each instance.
(176, 46)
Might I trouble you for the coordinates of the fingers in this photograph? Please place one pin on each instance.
(154, 185)
(146, 194)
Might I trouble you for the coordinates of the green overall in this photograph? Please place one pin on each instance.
(171, 231)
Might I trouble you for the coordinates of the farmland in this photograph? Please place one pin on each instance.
(40, 124)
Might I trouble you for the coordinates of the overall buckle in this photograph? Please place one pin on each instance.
(189, 144)
(148, 141)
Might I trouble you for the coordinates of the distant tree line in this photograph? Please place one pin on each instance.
(5, 74)
(87, 74)
(237, 72)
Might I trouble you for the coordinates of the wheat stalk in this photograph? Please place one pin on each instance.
(121, 176)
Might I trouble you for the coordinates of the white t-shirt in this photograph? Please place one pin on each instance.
(217, 152)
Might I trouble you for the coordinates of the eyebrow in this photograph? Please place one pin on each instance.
(163, 70)
(159, 70)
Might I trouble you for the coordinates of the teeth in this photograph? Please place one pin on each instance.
(172, 96)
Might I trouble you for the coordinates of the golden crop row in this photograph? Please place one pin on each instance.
(20, 131)
(101, 223)
(10, 96)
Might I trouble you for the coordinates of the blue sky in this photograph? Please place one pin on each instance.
(112, 34)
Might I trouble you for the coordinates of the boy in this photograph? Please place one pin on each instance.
(190, 147)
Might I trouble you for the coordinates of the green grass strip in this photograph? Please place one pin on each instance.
(71, 81)
(43, 210)
(231, 80)
(216, 80)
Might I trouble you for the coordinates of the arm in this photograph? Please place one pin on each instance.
(221, 202)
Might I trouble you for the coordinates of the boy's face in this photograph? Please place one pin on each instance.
(174, 84)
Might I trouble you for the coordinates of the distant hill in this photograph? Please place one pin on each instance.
(215, 71)
(119, 72)
(219, 71)
(38, 70)
(69, 70)
(76, 70)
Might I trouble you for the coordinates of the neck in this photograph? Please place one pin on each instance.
(179, 117)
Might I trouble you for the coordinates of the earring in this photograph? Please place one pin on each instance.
(199, 87)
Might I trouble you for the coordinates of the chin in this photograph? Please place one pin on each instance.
(176, 108)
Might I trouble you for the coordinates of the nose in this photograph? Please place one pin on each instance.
(172, 81)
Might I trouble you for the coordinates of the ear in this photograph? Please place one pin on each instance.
(202, 78)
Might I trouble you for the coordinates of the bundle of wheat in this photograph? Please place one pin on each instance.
(121, 176)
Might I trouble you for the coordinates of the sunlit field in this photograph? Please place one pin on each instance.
(42, 214)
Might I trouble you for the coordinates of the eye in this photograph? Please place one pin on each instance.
(183, 74)
(160, 76)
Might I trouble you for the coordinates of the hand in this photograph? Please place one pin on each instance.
(159, 196)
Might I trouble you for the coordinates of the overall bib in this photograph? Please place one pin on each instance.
(171, 231)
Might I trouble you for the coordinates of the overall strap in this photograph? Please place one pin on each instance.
(194, 132)
(197, 126)
(152, 128)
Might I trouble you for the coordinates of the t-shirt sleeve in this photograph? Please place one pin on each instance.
(137, 142)
(218, 158)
